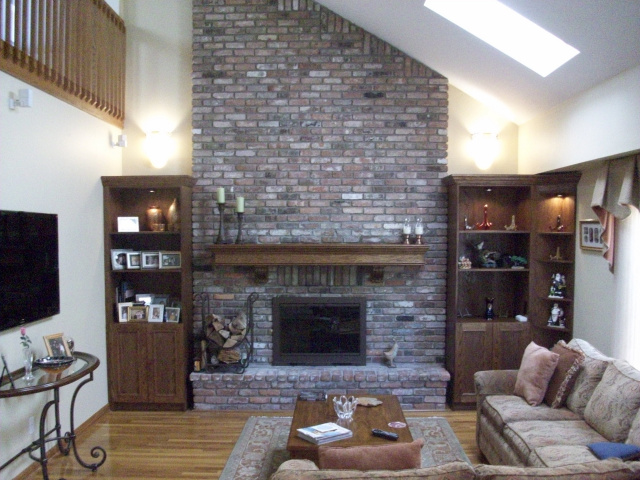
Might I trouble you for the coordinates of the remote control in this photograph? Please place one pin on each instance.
(383, 434)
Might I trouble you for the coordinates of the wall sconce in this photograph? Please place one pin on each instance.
(158, 147)
(484, 149)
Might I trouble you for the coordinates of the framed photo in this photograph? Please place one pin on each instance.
(161, 299)
(119, 259)
(156, 312)
(172, 314)
(590, 231)
(133, 260)
(57, 345)
(146, 298)
(138, 313)
(128, 224)
(150, 259)
(123, 311)
(170, 260)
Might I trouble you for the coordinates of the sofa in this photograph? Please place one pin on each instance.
(542, 432)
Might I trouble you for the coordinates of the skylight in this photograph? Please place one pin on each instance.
(508, 31)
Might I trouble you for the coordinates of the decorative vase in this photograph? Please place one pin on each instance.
(27, 356)
(155, 219)
(173, 216)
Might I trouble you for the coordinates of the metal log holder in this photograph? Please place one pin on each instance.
(245, 346)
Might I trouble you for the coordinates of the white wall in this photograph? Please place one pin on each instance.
(467, 116)
(158, 88)
(51, 160)
(602, 122)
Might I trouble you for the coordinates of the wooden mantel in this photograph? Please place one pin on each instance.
(365, 254)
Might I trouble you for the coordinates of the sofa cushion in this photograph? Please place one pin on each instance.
(611, 469)
(624, 451)
(590, 374)
(536, 369)
(448, 471)
(394, 456)
(564, 375)
(503, 409)
(524, 437)
(560, 455)
(615, 401)
(634, 432)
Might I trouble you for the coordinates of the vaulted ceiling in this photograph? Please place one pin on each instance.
(607, 33)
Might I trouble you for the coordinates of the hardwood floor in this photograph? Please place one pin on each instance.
(185, 445)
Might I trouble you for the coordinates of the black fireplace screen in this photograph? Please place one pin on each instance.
(319, 331)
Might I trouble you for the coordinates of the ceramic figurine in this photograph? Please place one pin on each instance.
(486, 224)
(390, 355)
(489, 313)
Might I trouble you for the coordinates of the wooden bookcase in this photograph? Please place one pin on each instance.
(148, 363)
(534, 202)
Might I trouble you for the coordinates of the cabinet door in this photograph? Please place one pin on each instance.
(127, 351)
(165, 364)
(473, 354)
(509, 341)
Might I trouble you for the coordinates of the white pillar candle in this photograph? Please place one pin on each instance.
(419, 229)
(240, 204)
(221, 195)
(406, 229)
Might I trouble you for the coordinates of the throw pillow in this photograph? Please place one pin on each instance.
(590, 374)
(536, 369)
(624, 451)
(615, 402)
(397, 456)
(564, 375)
(634, 432)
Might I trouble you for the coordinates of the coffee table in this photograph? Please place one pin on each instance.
(309, 413)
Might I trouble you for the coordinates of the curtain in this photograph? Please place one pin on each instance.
(617, 189)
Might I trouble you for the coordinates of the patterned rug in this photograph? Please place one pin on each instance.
(262, 445)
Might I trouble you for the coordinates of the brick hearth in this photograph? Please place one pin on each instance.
(419, 387)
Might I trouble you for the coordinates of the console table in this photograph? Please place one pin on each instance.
(83, 366)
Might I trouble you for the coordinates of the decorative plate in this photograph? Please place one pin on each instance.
(369, 401)
(54, 364)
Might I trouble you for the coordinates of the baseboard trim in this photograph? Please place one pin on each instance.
(53, 451)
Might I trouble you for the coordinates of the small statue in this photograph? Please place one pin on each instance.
(486, 258)
(558, 286)
(559, 226)
(466, 224)
(557, 256)
(554, 318)
(390, 355)
(489, 314)
(486, 224)
(513, 225)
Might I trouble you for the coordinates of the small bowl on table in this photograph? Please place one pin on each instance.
(54, 365)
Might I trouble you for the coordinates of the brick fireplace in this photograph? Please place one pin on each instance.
(332, 137)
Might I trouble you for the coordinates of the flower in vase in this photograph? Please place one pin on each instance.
(24, 338)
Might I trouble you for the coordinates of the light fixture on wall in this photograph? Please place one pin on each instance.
(484, 149)
(158, 147)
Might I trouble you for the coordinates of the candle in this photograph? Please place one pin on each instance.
(419, 227)
(240, 204)
(221, 195)
(406, 229)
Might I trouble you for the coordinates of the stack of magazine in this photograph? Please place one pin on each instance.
(324, 433)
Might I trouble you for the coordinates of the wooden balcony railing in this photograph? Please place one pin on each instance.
(71, 49)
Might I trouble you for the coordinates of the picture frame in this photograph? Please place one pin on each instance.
(146, 298)
(150, 260)
(170, 260)
(123, 311)
(156, 312)
(138, 313)
(172, 314)
(590, 233)
(133, 260)
(119, 258)
(128, 224)
(57, 345)
(161, 299)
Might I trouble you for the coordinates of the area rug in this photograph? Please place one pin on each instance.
(262, 446)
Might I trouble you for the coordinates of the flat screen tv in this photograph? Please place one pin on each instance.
(29, 273)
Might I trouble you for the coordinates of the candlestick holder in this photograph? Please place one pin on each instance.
(240, 217)
(406, 238)
(418, 239)
(221, 234)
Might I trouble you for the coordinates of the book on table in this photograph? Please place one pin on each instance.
(324, 433)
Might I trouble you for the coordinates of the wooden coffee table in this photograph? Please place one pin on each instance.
(307, 414)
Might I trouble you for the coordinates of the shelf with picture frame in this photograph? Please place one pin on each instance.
(149, 346)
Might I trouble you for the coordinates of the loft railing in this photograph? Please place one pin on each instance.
(71, 49)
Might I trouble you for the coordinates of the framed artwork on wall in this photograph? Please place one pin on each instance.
(590, 232)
